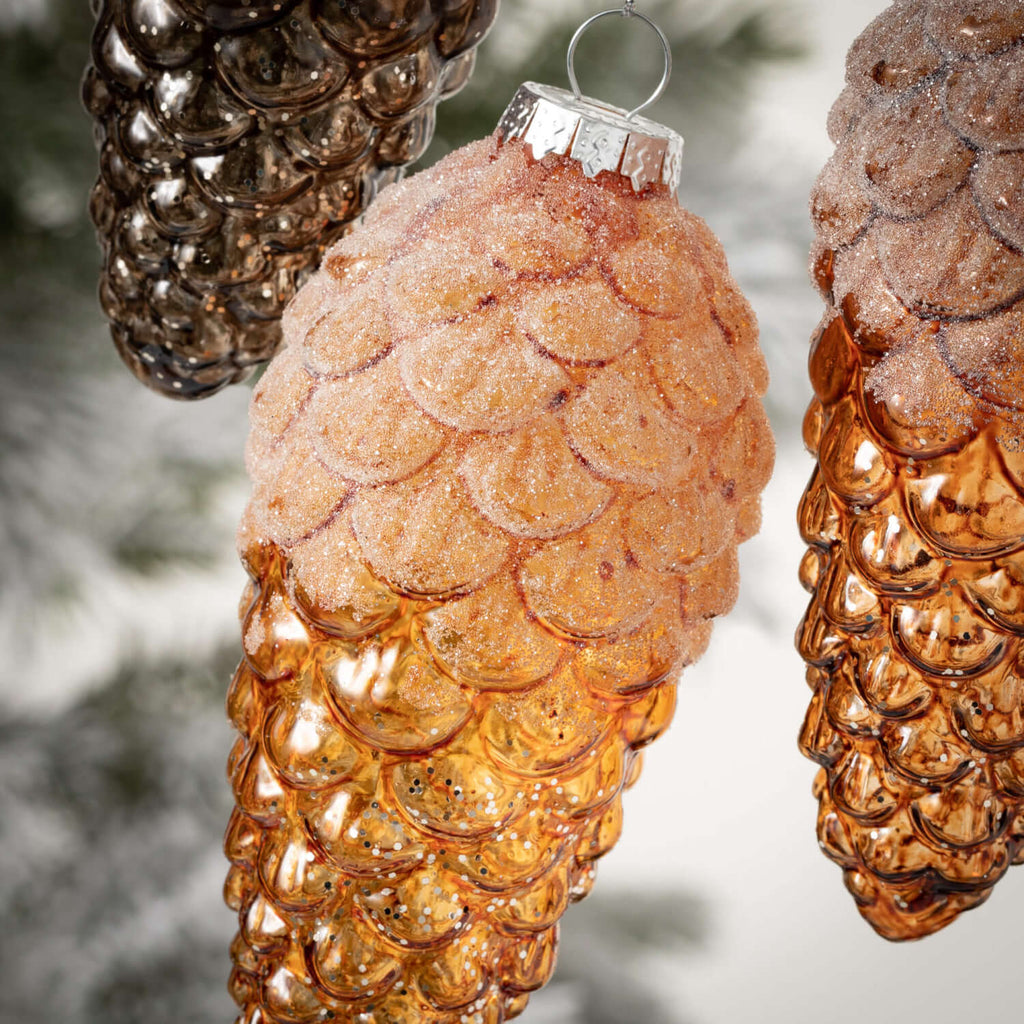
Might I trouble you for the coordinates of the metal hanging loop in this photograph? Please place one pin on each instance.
(626, 11)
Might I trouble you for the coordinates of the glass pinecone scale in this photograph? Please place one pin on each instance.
(500, 471)
(915, 515)
(237, 141)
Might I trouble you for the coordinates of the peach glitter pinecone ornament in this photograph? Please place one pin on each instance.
(501, 470)
(915, 514)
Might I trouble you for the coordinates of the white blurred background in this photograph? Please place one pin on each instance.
(117, 611)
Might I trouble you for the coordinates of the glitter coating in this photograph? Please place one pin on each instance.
(520, 513)
(915, 514)
(237, 141)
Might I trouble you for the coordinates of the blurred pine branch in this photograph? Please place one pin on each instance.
(46, 164)
(111, 814)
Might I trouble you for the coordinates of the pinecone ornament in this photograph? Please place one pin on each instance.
(237, 140)
(915, 513)
(501, 469)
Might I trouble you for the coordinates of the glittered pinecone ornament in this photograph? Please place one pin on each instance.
(915, 513)
(501, 468)
(237, 140)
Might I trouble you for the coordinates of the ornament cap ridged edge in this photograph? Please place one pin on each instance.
(598, 136)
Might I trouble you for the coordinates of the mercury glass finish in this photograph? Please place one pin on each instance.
(500, 472)
(237, 141)
(915, 514)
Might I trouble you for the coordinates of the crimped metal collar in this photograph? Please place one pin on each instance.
(600, 137)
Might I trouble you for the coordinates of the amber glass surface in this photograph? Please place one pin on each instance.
(915, 514)
(237, 140)
(500, 469)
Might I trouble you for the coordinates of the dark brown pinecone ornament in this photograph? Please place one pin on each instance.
(915, 514)
(237, 140)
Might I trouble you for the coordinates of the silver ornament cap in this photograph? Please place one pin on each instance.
(600, 137)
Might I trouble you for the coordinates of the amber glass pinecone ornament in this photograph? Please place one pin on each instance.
(915, 514)
(501, 469)
(237, 140)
